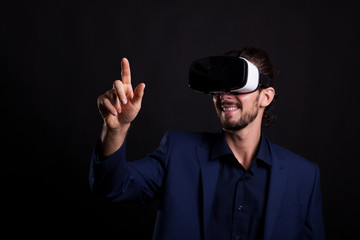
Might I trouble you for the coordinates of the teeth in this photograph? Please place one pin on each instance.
(230, 109)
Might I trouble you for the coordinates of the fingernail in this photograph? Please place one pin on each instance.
(115, 113)
(124, 100)
(119, 111)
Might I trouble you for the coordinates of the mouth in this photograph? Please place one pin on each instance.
(229, 109)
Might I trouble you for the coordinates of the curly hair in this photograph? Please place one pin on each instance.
(261, 60)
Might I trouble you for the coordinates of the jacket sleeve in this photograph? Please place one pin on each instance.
(120, 180)
(314, 226)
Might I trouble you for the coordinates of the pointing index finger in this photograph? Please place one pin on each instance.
(125, 71)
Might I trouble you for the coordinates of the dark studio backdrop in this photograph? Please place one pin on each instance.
(58, 56)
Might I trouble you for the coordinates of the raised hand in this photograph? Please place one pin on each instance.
(120, 105)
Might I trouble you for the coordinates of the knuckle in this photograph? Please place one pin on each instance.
(117, 83)
(100, 98)
(109, 93)
(108, 104)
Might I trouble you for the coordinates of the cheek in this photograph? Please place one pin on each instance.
(245, 97)
(248, 100)
(215, 100)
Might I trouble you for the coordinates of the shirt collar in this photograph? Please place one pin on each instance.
(221, 148)
(264, 150)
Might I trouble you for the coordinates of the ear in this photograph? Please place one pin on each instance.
(266, 97)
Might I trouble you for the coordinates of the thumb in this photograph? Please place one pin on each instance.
(139, 93)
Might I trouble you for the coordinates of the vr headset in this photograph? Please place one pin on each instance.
(218, 74)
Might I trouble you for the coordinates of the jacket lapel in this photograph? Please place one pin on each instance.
(209, 175)
(277, 184)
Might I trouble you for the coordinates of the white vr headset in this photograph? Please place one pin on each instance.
(230, 74)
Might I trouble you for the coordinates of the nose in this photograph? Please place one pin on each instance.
(226, 96)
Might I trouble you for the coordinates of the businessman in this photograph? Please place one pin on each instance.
(233, 184)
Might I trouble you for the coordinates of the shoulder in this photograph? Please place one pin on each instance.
(294, 160)
(188, 140)
(182, 145)
(189, 137)
(301, 171)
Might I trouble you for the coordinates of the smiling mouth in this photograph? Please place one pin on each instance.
(229, 109)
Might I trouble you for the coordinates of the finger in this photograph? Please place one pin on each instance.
(106, 104)
(139, 93)
(113, 97)
(125, 71)
(118, 86)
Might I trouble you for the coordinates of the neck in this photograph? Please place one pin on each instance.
(244, 143)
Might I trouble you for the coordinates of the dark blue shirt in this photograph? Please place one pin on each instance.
(238, 210)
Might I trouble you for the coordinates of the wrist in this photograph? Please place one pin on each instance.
(123, 128)
(112, 138)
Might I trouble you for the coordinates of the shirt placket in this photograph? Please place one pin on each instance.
(239, 230)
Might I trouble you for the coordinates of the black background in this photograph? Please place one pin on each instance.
(58, 56)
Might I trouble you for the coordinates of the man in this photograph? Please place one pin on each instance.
(234, 184)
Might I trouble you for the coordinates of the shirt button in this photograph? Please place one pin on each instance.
(240, 207)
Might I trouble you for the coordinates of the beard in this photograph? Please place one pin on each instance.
(241, 123)
(245, 119)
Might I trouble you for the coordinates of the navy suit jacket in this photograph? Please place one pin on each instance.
(182, 174)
